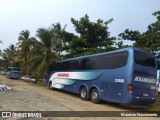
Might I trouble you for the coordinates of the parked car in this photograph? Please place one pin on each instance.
(2, 72)
(28, 79)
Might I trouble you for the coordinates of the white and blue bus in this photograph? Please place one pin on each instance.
(127, 75)
(13, 72)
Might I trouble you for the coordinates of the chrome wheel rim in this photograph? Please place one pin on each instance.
(83, 93)
(94, 95)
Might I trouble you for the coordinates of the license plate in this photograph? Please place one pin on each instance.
(146, 95)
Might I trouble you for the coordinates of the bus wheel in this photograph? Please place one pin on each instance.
(50, 86)
(95, 98)
(84, 94)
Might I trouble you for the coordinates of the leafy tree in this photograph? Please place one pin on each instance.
(93, 37)
(149, 40)
(72, 45)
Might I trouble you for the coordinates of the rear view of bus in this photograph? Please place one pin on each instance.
(13, 72)
(142, 89)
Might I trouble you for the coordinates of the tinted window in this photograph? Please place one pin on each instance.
(9, 69)
(70, 65)
(144, 59)
(52, 67)
(114, 60)
(16, 69)
(13, 68)
(106, 61)
(91, 63)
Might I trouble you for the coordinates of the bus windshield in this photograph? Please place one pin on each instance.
(16, 69)
(13, 68)
(144, 59)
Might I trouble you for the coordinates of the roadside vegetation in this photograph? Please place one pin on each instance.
(33, 53)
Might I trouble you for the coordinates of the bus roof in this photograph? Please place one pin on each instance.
(119, 50)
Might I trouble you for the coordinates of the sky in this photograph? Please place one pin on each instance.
(18, 15)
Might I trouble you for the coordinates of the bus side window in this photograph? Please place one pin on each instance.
(71, 65)
(59, 66)
(75, 65)
(85, 64)
(95, 62)
(91, 63)
(115, 60)
(120, 59)
(106, 61)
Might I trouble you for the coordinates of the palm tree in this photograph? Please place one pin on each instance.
(25, 44)
(9, 55)
(42, 52)
(57, 40)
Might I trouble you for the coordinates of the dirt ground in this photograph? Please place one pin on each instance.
(27, 97)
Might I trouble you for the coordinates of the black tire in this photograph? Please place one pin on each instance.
(50, 86)
(84, 94)
(95, 97)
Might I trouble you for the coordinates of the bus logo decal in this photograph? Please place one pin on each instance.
(142, 79)
(60, 79)
(63, 74)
